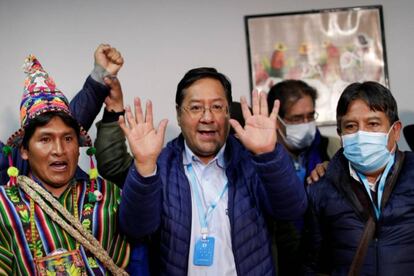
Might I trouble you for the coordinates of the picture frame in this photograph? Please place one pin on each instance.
(327, 48)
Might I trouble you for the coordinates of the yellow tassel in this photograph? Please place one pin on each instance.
(12, 171)
(93, 173)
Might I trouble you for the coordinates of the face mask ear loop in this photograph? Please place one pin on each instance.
(389, 131)
(278, 129)
(281, 120)
(388, 137)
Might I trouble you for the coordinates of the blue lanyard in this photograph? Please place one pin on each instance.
(380, 189)
(203, 217)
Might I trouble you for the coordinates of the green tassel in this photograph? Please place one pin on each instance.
(91, 197)
(91, 151)
(7, 150)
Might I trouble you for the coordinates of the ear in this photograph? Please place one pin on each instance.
(24, 153)
(338, 131)
(397, 130)
(178, 114)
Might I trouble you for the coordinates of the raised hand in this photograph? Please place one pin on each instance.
(144, 141)
(259, 133)
(115, 100)
(109, 58)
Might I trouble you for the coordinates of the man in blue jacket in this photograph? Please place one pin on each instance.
(362, 210)
(207, 192)
(86, 104)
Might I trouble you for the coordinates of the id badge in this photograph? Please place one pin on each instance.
(204, 252)
(62, 263)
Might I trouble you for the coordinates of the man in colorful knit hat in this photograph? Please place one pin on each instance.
(54, 220)
(86, 105)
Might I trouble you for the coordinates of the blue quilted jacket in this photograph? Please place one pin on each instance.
(339, 210)
(257, 184)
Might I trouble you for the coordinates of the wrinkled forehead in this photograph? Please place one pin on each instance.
(205, 90)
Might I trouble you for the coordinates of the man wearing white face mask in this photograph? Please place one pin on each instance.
(307, 147)
(297, 126)
(362, 211)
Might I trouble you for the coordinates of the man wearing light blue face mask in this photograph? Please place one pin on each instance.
(362, 211)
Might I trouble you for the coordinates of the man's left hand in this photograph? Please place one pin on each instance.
(259, 133)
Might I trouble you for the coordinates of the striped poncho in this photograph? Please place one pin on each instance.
(16, 243)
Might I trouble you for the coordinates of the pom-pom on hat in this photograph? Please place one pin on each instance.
(40, 95)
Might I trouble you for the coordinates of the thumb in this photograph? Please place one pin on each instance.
(162, 126)
(107, 81)
(111, 81)
(238, 129)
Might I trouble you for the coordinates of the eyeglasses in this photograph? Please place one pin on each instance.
(197, 110)
(300, 119)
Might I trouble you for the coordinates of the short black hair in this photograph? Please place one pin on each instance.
(44, 119)
(374, 94)
(288, 92)
(201, 73)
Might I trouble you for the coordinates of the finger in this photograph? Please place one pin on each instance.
(255, 102)
(245, 108)
(139, 117)
(102, 48)
(112, 82)
(275, 110)
(161, 129)
(108, 49)
(238, 129)
(314, 176)
(148, 113)
(109, 81)
(123, 126)
(119, 60)
(321, 170)
(263, 104)
(113, 54)
(130, 117)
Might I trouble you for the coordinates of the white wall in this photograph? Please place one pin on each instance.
(160, 41)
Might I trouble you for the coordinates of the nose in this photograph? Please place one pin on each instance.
(58, 147)
(207, 115)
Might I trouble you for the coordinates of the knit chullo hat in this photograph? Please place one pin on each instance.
(40, 95)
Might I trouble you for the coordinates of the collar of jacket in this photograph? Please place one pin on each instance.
(338, 174)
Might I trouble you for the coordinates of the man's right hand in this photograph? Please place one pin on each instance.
(109, 58)
(317, 172)
(144, 141)
(114, 101)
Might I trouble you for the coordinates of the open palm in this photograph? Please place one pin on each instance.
(259, 132)
(144, 140)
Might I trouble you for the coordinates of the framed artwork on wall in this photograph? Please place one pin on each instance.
(328, 49)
